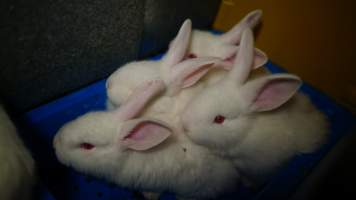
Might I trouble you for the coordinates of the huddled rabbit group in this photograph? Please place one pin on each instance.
(196, 122)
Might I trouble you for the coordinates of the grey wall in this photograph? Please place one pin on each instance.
(51, 48)
(163, 19)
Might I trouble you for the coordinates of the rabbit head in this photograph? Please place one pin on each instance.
(226, 46)
(173, 68)
(98, 141)
(121, 83)
(222, 113)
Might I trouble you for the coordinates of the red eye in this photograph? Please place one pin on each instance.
(191, 55)
(86, 146)
(219, 119)
(230, 59)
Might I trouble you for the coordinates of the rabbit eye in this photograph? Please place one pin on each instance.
(191, 55)
(230, 58)
(219, 119)
(86, 146)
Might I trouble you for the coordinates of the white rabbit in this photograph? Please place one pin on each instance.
(142, 153)
(258, 123)
(121, 83)
(17, 170)
(225, 46)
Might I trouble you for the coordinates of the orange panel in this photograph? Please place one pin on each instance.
(313, 39)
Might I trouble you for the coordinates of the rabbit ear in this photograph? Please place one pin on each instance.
(244, 59)
(233, 36)
(188, 72)
(144, 134)
(259, 59)
(179, 46)
(139, 98)
(269, 92)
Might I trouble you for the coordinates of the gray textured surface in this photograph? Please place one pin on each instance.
(49, 48)
(163, 19)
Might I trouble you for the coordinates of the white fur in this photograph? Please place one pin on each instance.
(202, 44)
(192, 173)
(124, 80)
(205, 43)
(258, 143)
(17, 170)
(258, 139)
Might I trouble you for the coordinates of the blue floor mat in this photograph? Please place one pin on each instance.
(61, 182)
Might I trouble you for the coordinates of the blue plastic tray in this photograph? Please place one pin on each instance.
(60, 182)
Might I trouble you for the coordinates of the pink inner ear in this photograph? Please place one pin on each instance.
(195, 76)
(259, 59)
(139, 98)
(146, 135)
(189, 72)
(227, 63)
(274, 94)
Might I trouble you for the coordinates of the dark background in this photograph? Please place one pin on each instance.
(51, 48)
